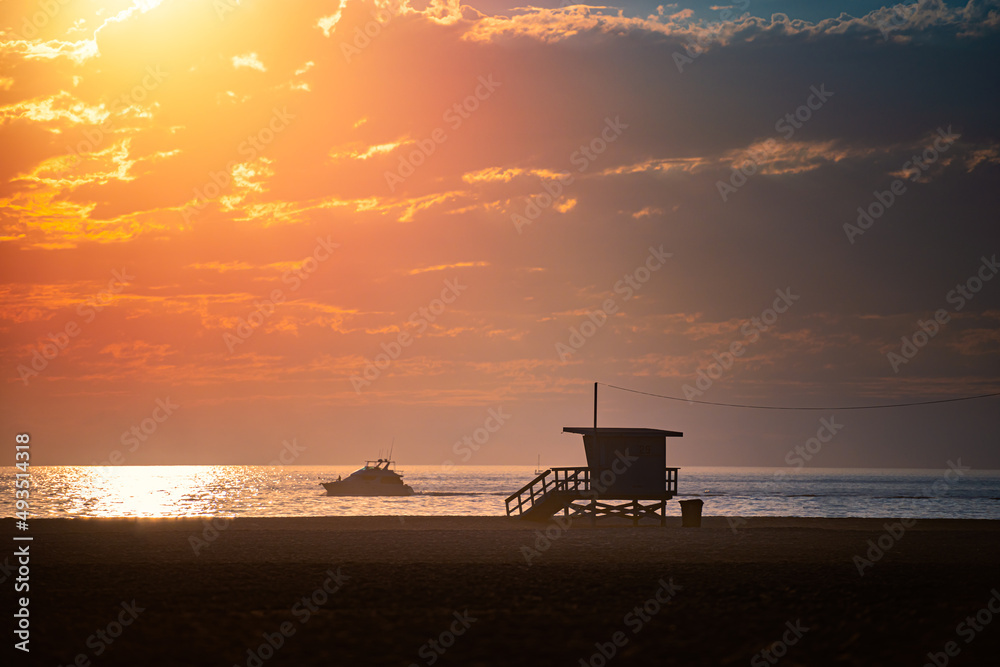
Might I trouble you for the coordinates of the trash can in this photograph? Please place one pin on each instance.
(691, 512)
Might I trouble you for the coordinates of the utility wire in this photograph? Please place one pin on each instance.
(786, 407)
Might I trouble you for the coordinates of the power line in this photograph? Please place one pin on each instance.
(787, 407)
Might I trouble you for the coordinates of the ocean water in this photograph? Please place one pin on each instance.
(281, 491)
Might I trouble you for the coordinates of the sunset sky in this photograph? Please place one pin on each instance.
(216, 215)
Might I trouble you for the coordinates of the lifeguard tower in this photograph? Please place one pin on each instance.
(624, 465)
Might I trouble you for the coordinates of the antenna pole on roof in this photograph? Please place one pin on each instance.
(391, 447)
(593, 499)
(595, 408)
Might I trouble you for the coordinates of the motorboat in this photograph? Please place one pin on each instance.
(376, 478)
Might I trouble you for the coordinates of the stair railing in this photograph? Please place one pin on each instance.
(532, 490)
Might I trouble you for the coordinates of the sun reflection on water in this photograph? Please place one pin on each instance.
(153, 491)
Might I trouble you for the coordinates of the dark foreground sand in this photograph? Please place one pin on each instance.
(404, 582)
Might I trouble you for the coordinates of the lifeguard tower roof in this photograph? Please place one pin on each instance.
(626, 432)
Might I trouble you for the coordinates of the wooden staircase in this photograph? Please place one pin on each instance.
(548, 493)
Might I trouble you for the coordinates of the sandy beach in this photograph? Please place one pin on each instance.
(498, 591)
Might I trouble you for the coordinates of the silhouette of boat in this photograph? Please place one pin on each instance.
(376, 478)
